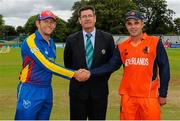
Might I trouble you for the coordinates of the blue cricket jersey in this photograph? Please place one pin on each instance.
(39, 61)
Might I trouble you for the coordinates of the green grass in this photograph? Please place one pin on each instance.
(10, 66)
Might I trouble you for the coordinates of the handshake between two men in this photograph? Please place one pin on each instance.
(82, 75)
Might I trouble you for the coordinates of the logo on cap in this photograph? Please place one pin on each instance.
(132, 13)
(46, 14)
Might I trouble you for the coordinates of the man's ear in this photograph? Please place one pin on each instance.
(95, 18)
(143, 24)
(79, 20)
(37, 23)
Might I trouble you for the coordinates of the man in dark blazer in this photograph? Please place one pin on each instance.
(89, 48)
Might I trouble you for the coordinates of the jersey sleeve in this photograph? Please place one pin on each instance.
(112, 65)
(37, 55)
(164, 71)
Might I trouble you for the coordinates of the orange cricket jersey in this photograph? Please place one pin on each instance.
(138, 67)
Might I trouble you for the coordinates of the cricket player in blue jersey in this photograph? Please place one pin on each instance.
(35, 97)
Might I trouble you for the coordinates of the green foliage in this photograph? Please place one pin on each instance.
(158, 18)
(59, 33)
(1, 20)
(110, 17)
(177, 25)
(1, 25)
(73, 24)
(9, 31)
(30, 26)
(110, 14)
(20, 30)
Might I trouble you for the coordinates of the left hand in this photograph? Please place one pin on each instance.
(162, 100)
(82, 75)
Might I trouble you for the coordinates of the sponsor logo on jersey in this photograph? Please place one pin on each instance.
(137, 61)
(33, 50)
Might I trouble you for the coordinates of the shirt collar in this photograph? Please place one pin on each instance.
(39, 37)
(92, 33)
(143, 38)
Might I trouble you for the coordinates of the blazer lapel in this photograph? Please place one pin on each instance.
(81, 48)
(97, 45)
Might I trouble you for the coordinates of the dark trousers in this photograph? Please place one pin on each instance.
(92, 109)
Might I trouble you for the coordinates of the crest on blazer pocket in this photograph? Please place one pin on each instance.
(103, 51)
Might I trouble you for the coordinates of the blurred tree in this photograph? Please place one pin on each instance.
(1, 26)
(59, 33)
(9, 30)
(110, 14)
(20, 30)
(158, 18)
(177, 25)
(1, 22)
(30, 26)
(73, 24)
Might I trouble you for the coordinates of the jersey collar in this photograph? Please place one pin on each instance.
(39, 37)
(143, 38)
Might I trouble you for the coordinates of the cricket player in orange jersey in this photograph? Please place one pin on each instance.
(143, 58)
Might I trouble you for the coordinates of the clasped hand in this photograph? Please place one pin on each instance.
(82, 75)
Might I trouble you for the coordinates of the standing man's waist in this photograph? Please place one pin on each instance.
(38, 83)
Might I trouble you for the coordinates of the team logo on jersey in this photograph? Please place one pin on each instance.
(46, 52)
(146, 50)
(26, 104)
(125, 52)
(103, 51)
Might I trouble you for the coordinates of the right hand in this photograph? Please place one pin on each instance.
(82, 75)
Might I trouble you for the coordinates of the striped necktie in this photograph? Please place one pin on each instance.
(89, 50)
